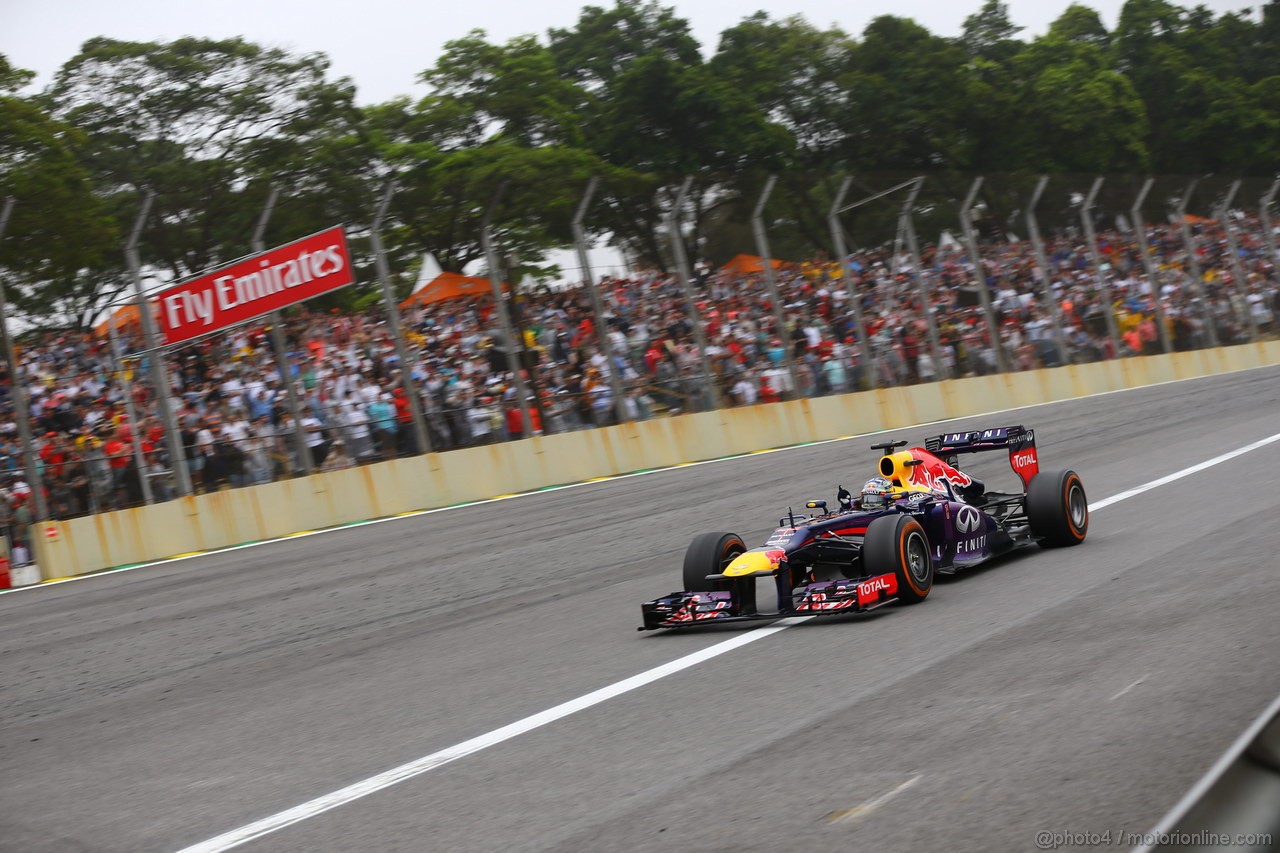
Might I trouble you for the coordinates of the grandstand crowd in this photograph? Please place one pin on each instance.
(98, 435)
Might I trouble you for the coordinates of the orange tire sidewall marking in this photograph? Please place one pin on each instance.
(1077, 533)
(903, 532)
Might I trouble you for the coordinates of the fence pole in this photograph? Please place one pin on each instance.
(21, 413)
(1193, 263)
(422, 440)
(155, 354)
(980, 275)
(281, 348)
(1103, 277)
(1140, 229)
(1264, 216)
(771, 280)
(686, 275)
(139, 460)
(1237, 268)
(602, 334)
(1048, 299)
(906, 224)
(866, 353)
(514, 347)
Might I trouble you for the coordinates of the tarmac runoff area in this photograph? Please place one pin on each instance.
(472, 679)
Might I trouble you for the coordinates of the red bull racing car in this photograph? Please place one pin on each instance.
(922, 516)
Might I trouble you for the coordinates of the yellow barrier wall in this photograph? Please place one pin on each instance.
(231, 517)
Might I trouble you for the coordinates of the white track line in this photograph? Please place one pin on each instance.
(427, 763)
(438, 759)
(859, 812)
(1130, 687)
(597, 480)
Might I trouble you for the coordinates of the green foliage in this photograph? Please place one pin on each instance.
(58, 225)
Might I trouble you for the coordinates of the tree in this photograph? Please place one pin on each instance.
(1089, 117)
(792, 71)
(990, 32)
(483, 91)
(12, 79)
(606, 42)
(206, 125)
(1081, 24)
(906, 99)
(58, 227)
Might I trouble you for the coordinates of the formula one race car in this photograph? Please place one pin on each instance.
(883, 547)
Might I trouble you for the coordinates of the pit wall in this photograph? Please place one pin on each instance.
(236, 516)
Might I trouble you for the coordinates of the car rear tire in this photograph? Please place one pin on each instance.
(898, 544)
(1057, 508)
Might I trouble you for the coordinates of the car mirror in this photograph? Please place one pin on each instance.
(822, 505)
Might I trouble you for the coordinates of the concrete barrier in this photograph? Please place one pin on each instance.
(236, 516)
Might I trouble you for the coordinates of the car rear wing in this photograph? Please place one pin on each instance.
(1018, 440)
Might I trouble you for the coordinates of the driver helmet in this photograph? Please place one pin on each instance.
(874, 492)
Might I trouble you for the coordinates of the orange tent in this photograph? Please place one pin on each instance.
(451, 285)
(745, 264)
(122, 318)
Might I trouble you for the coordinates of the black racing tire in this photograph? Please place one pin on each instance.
(1057, 509)
(711, 554)
(898, 544)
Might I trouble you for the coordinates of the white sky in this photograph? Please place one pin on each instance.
(384, 44)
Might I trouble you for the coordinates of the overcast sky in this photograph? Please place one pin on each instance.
(384, 44)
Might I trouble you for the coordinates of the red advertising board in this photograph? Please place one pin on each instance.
(255, 286)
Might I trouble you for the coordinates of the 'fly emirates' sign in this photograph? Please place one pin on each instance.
(247, 289)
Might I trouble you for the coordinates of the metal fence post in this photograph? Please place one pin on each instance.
(686, 274)
(155, 354)
(19, 393)
(1103, 277)
(869, 362)
(280, 348)
(1193, 263)
(514, 347)
(407, 383)
(906, 224)
(1264, 217)
(771, 280)
(602, 334)
(139, 460)
(1046, 280)
(1237, 268)
(980, 275)
(1140, 229)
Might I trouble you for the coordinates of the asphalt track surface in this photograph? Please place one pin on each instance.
(1077, 690)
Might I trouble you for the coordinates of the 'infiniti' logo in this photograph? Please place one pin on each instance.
(968, 520)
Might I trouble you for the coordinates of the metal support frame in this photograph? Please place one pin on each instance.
(159, 372)
(771, 280)
(1048, 300)
(422, 440)
(907, 227)
(1140, 230)
(514, 346)
(18, 391)
(1237, 268)
(602, 333)
(1103, 277)
(980, 275)
(1193, 263)
(869, 362)
(139, 459)
(280, 347)
(1264, 217)
(686, 276)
